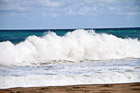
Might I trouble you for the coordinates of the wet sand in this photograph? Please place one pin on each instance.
(97, 88)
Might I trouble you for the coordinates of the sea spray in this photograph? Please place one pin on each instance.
(78, 45)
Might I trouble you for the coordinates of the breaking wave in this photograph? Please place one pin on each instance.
(79, 45)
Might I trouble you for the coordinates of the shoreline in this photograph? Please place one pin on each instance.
(89, 88)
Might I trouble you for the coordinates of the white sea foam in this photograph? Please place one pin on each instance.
(74, 46)
(58, 80)
(97, 72)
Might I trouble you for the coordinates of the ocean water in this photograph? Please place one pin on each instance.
(69, 57)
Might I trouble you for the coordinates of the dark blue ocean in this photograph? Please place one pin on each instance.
(16, 36)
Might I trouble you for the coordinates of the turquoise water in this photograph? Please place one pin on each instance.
(16, 36)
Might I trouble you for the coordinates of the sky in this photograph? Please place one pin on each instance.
(65, 14)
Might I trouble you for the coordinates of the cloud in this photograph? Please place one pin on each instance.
(100, 1)
(132, 13)
(26, 5)
(9, 6)
(115, 9)
(128, 13)
(49, 3)
(6, 1)
(84, 10)
(71, 7)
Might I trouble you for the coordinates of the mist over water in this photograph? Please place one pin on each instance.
(79, 45)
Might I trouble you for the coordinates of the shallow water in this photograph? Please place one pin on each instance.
(95, 72)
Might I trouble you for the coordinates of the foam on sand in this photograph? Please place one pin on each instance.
(59, 80)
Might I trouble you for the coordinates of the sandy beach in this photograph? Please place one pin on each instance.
(97, 88)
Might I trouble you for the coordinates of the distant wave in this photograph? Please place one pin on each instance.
(78, 45)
